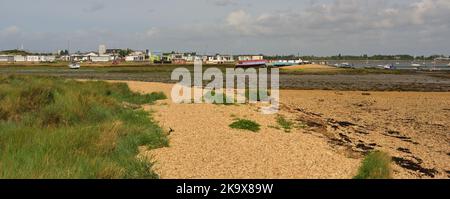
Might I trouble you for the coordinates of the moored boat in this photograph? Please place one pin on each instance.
(74, 65)
(389, 67)
(251, 64)
(282, 63)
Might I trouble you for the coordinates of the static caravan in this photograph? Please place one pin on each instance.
(47, 58)
(104, 58)
(19, 58)
(32, 58)
(6, 58)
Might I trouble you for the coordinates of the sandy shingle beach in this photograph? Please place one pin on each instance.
(341, 126)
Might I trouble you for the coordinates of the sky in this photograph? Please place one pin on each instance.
(282, 27)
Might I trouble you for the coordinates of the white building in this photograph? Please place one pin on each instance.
(250, 57)
(47, 58)
(19, 58)
(218, 59)
(6, 58)
(101, 58)
(64, 58)
(101, 49)
(189, 57)
(135, 56)
(32, 58)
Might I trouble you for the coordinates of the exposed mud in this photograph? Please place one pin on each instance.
(414, 166)
(413, 81)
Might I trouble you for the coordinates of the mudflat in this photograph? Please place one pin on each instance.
(304, 77)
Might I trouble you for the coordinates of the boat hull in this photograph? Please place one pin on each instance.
(252, 64)
(74, 66)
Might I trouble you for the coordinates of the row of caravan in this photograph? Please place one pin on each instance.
(27, 58)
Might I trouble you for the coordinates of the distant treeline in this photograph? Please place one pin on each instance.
(14, 52)
(21, 52)
(355, 57)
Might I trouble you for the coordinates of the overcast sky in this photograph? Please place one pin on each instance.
(319, 27)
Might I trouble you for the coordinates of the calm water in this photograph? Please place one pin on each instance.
(425, 65)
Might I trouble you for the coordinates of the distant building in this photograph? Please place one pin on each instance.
(47, 58)
(101, 58)
(113, 51)
(101, 49)
(189, 57)
(93, 57)
(20, 58)
(89, 56)
(6, 58)
(250, 57)
(166, 58)
(177, 58)
(218, 59)
(135, 56)
(155, 57)
(78, 57)
(64, 58)
(32, 58)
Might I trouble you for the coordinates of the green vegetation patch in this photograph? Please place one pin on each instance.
(376, 165)
(285, 123)
(246, 125)
(57, 128)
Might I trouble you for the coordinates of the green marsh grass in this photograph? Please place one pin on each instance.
(56, 128)
(376, 165)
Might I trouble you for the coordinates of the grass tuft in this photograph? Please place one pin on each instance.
(246, 125)
(284, 123)
(376, 165)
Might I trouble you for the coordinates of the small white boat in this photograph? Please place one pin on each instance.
(389, 67)
(74, 66)
(416, 65)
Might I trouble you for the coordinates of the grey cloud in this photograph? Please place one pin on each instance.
(94, 7)
(318, 27)
(346, 17)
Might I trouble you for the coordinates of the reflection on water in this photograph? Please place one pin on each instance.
(412, 65)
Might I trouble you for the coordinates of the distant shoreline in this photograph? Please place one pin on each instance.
(302, 77)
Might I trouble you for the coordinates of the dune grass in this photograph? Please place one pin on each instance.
(285, 123)
(246, 125)
(376, 165)
(56, 128)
